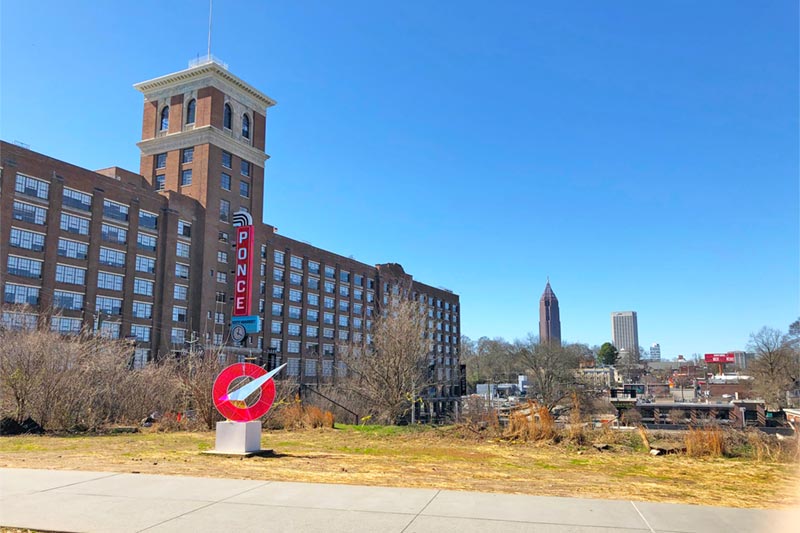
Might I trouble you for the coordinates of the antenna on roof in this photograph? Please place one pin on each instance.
(210, 7)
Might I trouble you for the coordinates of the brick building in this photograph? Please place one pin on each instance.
(150, 255)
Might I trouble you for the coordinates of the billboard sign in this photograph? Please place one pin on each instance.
(720, 357)
(243, 282)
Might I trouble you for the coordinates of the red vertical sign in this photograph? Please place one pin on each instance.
(244, 271)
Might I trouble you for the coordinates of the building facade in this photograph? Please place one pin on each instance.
(625, 332)
(150, 256)
(549, 317)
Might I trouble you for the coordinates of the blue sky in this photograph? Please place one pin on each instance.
(643, 155)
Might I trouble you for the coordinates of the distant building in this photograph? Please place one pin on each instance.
(655, 352)
(742, 359)
(625, 332)
(549, 319)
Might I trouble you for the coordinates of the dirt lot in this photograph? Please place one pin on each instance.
(445, 458)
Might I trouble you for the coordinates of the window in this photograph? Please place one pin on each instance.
(370, 283)
(356, 323)
(370, 297)
(218, 340)
(227, 160)
(277, 292)
(344, 277)
(357, 309)
(146, 242)
(76, 200)
(277, 310)
(275, 344)
(277, 274)
(178, 314)
(148, 220)
(327, 318)
(313, 283)
(227, 115)
(110, 330)
(31, 213)
(330, 272)
(73, 224)
(344, 335)
(190, 111)
(140, 357)
(330, 287)
(160, 182)
(111, 257)
(344, 290)
(245, 168)
(108, 306)
(27, 240)
(343, 321)
(328, 303)
(294, 312)
(71, 275)
(327, 349)
(293, 365)
(219, 318)
(277, 327)
(358, 280)
(224, 211)
(344, 306)
(32, 187)
(245, 126)
(312, 331)
(165, 118)
(295, 296)
(222, 257)
(64, 325)
(73, 249)
(312, 315)
(278, 257)
(222, 277)
(293, 347)
(311, 367)
(143, 287)
(313, 267)
(225, 181)
(186, 177)
(21, 294)
(114, 234)
(184, 229)
(107, 280)
(142, 333)
(244, 189)
(187, 156)
(182, 249)
(313, 299)
(181, 271)
(115, 211)
(142, 310)
(295, 278)
(72, 301)
(328, 333)
(161, 161)
(296, 262)
(180, 292)
(357, 294)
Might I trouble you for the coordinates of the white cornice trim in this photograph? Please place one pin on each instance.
(198, 136)
(209, 70)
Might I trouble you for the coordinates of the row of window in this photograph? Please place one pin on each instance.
(191, 112)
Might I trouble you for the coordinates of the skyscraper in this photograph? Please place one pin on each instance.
(655, 352)
(625, 332)
(549, 319)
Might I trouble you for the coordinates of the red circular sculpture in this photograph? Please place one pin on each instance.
(238, 410)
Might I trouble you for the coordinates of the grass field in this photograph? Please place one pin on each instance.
(443, 458)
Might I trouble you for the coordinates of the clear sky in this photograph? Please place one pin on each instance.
(644, 155)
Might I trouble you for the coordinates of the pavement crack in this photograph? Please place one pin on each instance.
(643, 518)
(421, 511)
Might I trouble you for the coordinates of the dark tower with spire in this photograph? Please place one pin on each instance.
(549, 319)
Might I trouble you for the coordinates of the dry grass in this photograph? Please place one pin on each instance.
(449, 458)
(705, 441)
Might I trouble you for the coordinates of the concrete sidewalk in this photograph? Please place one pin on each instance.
(55, 500)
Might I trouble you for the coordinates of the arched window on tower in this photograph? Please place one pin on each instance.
(245, 126)
(190, 111)
(226, 117)
(165, 118)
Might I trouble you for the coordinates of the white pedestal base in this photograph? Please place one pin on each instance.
(238, 438)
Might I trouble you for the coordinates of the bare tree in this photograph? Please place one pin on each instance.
(551, 369)
(776, 366)
(386, 373)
